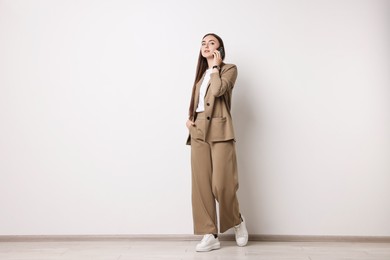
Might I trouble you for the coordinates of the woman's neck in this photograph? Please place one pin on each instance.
(210, 62)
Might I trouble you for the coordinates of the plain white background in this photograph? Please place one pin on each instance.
(94, 97)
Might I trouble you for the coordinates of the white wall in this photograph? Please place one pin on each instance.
(94, 98)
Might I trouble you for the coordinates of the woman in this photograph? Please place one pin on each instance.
(213, 156)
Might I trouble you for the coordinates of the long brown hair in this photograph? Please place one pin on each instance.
(200, 69)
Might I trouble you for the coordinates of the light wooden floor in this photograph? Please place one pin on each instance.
(140, 250)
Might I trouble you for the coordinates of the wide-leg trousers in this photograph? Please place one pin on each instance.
(214, 178)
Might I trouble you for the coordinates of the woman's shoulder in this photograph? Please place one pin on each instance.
(228, 66)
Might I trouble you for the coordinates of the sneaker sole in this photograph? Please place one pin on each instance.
(212, 247)
(242, 245)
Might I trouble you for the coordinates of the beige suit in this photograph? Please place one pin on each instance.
(213, 156)
(218, 125)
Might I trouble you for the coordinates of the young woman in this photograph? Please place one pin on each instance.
(213, 155)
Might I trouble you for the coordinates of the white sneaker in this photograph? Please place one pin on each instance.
(241, 233)
(208, 243)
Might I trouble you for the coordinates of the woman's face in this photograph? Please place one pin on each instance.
(209, 45)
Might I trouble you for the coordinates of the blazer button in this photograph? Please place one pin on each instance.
(208, 118)
(208, 104)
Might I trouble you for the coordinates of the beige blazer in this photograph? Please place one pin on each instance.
(217, 123)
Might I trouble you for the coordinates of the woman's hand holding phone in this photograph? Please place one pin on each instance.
(217, 57)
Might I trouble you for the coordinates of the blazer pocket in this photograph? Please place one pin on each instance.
(218, 128)
(219, 119)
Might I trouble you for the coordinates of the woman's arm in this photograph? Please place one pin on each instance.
(223, 81)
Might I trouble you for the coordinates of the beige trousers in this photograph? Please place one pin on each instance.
(214, 178)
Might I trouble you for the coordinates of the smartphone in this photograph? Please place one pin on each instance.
(222, 52)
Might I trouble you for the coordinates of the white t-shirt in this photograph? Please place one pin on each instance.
(202, 91)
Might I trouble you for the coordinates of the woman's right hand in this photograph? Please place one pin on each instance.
(190, 124)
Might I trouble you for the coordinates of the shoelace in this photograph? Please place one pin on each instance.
(238, 230)
(237, 227)
(205, 238)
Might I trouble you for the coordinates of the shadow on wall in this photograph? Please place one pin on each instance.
(249, 150)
